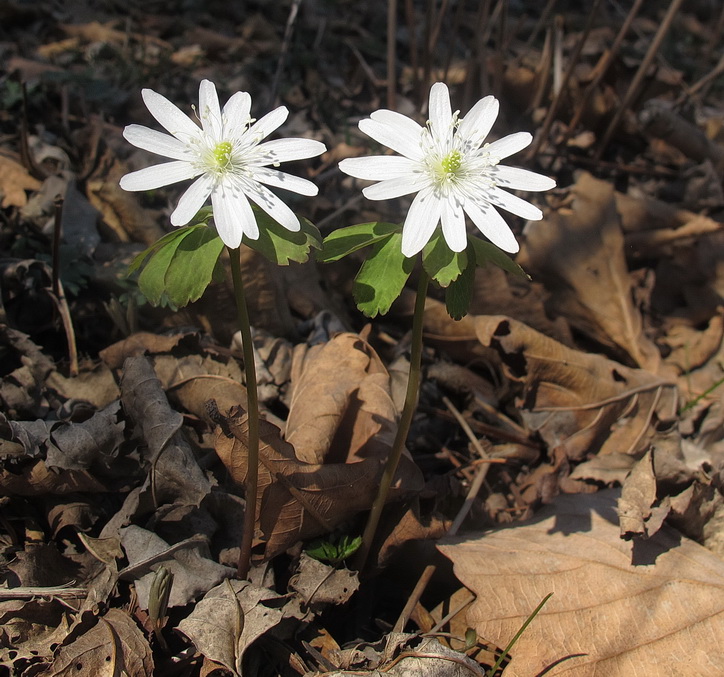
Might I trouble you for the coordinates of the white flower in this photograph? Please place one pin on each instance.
(226, 155)
(451, 171)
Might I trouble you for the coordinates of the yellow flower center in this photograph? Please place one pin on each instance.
(451, 163)
(222, 154)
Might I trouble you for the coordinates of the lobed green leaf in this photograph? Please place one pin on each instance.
(440, 262)
(382, 276)
(459, 293)
(487, 252)
(281, 246)
(180, 265)
(344, 241)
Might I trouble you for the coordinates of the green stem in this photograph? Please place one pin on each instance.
(252, 410)
(403, 429)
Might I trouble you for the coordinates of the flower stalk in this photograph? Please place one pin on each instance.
(252, 411)
(403, 429)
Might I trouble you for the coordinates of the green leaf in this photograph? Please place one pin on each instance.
(344, 241)
(140, 258)
(459, 293)
(279, 245)
(335, 550)
(441, 263)
(487, 252)
(180, 265)
(382, 276)
(348, 546)
(193, 267)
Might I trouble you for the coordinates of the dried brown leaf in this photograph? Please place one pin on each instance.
(115, 645)
(296, 500)
(14, 181)
(607, 615)
(573, 399)
(231, 617)
(579, 254)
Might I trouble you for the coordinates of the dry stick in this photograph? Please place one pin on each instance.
(703, 82)
(451, 46)
(437, 27)
(542, 134)
(391, 54)
(602, 68)
(639, 77)
(538, 27)
(293, 11)
(414, 598)
(480, 475)
(58, 294)
(403, 428)
(252, 411)
(481, 54)
(414, 55)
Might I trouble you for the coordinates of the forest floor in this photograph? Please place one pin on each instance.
(569, 436)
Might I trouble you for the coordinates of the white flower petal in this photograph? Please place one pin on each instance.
(158, 175)
(272, 177)
(392, 188)
(209, 110)
(440, 111)
(395, 131)
(236, 114)
(269, 123)
(508, 145)
(378, 167)
(157, 142)
(515, 178)
(491, 224)
(273, 206)
(476, 125)
(287, 150)
(514, 205)
(453, 225)
(192, 200)
(233, 215)
(422, 219)
(169, 116)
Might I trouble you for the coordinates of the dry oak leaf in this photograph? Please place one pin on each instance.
(14, 181)
(296, 500)
(572, 398)
(341, 408)
(662, 616)
(579, 254)
(232, 616)
(114, 646)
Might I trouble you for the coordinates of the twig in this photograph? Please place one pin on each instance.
(391, 54)
(32, 592)
(293, 11)
(414, 54)
(542, 136)
(446, 619)
(414, 598)
(602, 68)
(639, 77)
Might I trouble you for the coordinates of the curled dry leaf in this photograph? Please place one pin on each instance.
(194, 572)
(663, 614)
(296, 500)
(573, 399)
(175, 473)
(340, 408)
(579, 254)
